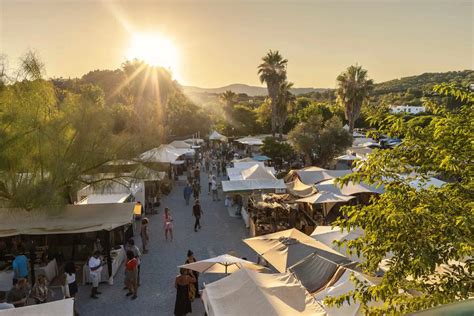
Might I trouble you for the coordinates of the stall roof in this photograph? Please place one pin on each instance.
(259, 294)
(252, 185)
(67, 219)
(105, 198)
(236, 173)
(314, 175)
(299, 189)
(61, 307)
(217, 136)
(349, 188)
(165, 154)
(251, 141)
(256, 173)
(180, 144)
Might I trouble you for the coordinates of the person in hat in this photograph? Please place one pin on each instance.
(191, 259)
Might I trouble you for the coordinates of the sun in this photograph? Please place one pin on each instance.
(154, 50)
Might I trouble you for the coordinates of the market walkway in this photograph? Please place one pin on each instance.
(220, 234)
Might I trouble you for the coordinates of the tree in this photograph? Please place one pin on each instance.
(319, 140)
(278, 151)
(273, 72)
(353, 90)
(228, 98)
(425, 230)
(285, 98)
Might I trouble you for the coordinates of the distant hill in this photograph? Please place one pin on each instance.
(243, 88)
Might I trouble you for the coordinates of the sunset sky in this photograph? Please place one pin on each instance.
(222, 42)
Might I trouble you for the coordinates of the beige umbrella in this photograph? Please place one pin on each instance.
(324, 197)
(286, 248)
(222, 264)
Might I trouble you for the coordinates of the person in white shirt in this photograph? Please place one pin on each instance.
(215, 197)
(95, 268)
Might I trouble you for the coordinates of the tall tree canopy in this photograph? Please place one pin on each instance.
(426, 231)
(273, 72)
(353, 90)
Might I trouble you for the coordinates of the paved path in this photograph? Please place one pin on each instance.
(156, 296)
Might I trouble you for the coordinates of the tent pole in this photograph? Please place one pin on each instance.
(107, 253)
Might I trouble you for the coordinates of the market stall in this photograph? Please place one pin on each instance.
(251, 293)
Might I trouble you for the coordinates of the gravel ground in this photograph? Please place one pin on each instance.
(156, 296)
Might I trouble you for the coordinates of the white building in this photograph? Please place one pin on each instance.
(411, 109)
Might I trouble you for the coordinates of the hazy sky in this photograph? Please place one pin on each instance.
(222, 42)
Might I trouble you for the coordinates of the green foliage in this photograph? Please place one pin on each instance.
(425, 229)
(319, 140)
(277, 150)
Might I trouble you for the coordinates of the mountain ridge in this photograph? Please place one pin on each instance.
(244, 88)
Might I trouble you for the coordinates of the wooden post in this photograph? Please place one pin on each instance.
(107, 253)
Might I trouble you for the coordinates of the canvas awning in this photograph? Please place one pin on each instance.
(314, 175)
(253, 185)
(68, 219)
(325, 197)
(314, 272)
(222, 264)
(61, 307)
(180, 144)
(257, 172)
(299, 189)
(347, 157)
(165, 154)
(348, 189)
(217, 136)
(251, 141)
(105, 198)
(286, 248)
(248, 292)
(237, 173)
(328, 234)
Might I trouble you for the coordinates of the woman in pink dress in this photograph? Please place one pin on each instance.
(168, 224)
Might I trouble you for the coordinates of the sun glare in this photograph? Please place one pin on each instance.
(154, 50)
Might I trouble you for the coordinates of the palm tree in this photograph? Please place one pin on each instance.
(229, 99)
(285, 98)
(352, 91)
(273, 72)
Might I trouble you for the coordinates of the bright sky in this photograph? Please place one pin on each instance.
(221, 42)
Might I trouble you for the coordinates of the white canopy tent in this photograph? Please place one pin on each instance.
(222, 264)
(251, 141)
(327, 199)
(347, 157)
(251, 293)
(276, 185)
(165, 154)
(348, 189)
(328, 234)
(286, 248)
(299, 189)
(217, 136)
(314, 175)
(342, 286)
(180, 144)
(243, 172)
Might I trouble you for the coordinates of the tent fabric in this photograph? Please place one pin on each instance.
(286, 248)
(314, 272)
(342, 286)
(252, 185)
(236, 173)
(251, 293)
(257, 172)
(105, 198)
(261, 158)
(180, 144)
(68, 219)
(312, 176)
(222, 264)
(299, 189)
(251, 141)
(217, 136)
(325, 197)
(241, 164)
(246, 159)
(348, 157)
(61, 307)
(328, 234)
(348, 189)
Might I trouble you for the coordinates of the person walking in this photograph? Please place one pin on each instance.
(144, 234)
(20, 266)
(197, 212)
(187, 191)
(196, 190)
(136, 252)
(197, 174)
(215, 196)
(95, 264)
(209, 181)
(131, 274)
(182, 283)
(195, 274)
(168, 224)
(70, 279)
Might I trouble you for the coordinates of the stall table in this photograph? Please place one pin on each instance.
(6, 280)
(118, 257)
